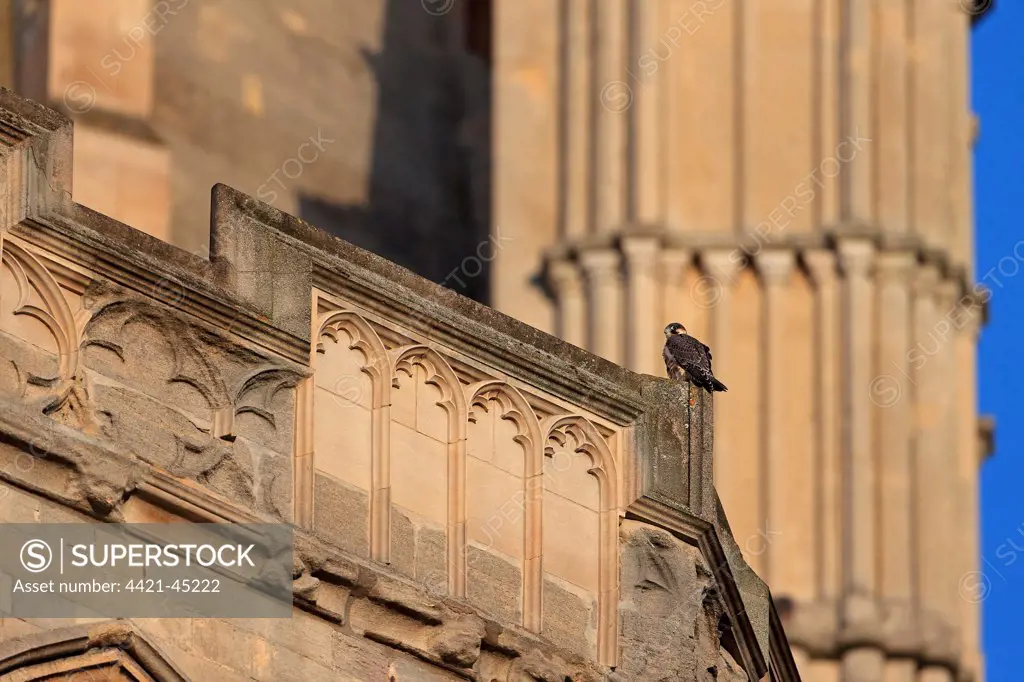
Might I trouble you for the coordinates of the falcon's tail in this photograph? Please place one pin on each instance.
(717, 385)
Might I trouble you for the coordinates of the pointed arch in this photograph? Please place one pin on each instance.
(515, 408)
(112, 646)
(453, 400)
(590, 442)
(58, 317)
(378, 368)
(439, 374)
(364, 339)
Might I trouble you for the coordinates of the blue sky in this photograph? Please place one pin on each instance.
(998, 99)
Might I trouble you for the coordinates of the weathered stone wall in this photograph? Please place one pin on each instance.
(387, 89)
(670, 613)
(473, 499)
(369, 119)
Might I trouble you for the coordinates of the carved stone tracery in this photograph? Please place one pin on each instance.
(462, 403)
(514, 407)
(440, 374)
(377, 367)
(63, 391)
(199, 434)
(588, 441)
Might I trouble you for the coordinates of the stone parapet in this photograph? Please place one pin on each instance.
(472, 496)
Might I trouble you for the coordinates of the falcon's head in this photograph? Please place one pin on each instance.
(673, 329)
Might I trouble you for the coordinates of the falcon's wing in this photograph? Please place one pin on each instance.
(708, 351)
(690, 355)
(671, 365)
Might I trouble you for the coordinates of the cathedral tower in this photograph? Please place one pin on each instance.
(790, 179)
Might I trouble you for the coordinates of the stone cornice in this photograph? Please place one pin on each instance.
(564, 278)
(747, 244)
(815, 626)
(820, 265)
(443, 315)
(895, 266)
(158, 270)
(856, 256)
(775, 265)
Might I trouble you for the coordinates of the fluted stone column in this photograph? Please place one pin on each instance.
(775, 266)
(929, 84)
(578, 129)
(647, 185)
(971, 588)
(790, 557)
(828, 518)
(821, 614)
(830, 28)
(928, 462)
(949, 494)
(642, 343)
(857, 117)
(891, 145)
(960, 181)
(719, 267)
(567, 285)
(863, 660)
(892, 393)
(675, 297)
(611, 140)
(527, 96)
(602, 274)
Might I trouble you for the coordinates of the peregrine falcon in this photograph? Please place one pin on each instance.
(685, 356)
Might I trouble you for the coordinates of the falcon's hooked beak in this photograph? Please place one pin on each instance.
(674, 328)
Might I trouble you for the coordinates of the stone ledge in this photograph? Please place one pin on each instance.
(926, 638)
(439, 313)
(750, 242)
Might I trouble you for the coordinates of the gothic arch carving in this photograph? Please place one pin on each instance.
(229, 378)
(439, 374)
(58, 318)
(589, 442)
(515, 408)
(256, 391)
(365, 340)
(188, 348)
(113, 647)
(378, 367)
(148, 350)
(453, 401)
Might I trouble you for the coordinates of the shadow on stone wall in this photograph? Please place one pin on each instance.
(429, 206)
